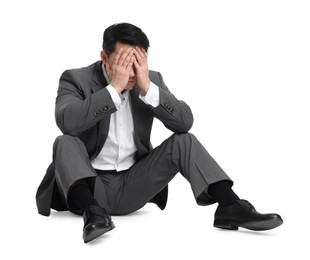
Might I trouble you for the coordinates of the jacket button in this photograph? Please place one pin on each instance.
(103, 109)
(97, 114)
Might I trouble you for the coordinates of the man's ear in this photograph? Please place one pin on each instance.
(104, 56)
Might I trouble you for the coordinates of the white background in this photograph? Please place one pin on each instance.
(242, 66)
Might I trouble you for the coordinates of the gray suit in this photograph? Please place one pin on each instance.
(83, 109)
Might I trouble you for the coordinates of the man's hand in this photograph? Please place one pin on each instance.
(119, 71)
(141, 69)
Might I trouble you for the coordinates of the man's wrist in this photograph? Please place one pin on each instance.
(145, 88)
(152, 96)
(114, 95)
(116, 87)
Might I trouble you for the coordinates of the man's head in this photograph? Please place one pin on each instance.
(123, 33)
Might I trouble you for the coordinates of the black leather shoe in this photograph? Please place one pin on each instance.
(243, 214)
(96, 222)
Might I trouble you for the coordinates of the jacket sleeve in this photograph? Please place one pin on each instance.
(76, 110)
(175, 114)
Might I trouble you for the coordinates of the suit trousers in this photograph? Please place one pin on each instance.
(127, 191)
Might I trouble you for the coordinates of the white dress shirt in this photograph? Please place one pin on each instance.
(118, 152)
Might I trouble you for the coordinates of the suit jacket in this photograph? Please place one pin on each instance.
(83, 109)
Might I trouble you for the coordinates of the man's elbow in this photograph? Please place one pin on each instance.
(185, 125)
(188, 123)
(65, 126)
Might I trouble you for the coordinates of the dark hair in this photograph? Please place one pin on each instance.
(124, 33)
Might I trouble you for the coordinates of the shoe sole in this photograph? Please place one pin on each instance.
(254, 225)
(90, 233)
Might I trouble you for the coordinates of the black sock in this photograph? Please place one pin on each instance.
(222, 193)
(82, 197)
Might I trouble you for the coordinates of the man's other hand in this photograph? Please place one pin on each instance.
(141, 69)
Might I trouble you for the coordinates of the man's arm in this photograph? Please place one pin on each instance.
(175, 114)
(76, 113)
(76, 110)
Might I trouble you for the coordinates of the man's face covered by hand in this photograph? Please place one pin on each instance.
(126, 66)
(121, 50)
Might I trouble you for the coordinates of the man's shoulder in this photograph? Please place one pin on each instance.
(153, 73)
(155, 77)
(80, 73)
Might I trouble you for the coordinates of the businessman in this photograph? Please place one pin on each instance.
(104, 163)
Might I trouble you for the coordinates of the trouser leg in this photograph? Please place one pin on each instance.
(72, 164)
(81, 195)
(180, 153)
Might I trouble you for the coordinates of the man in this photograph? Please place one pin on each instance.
(104, 163)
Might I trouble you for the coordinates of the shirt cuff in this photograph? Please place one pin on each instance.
(152, 96)
(114, 95)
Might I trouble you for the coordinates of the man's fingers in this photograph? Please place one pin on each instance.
(125, 58)
(137, 54)
(128, 59)
(141, 52)
(131, 62)
(136, 64)
(121, 56)
(140, 55)
(118, 55)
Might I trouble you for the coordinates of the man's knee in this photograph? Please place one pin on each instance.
(184, 137)
(66, 140)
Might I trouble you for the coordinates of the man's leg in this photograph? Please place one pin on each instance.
(184, 153)
(72, 164)
(180, 153)
(81, 195)
(76, 177)
(222, 193)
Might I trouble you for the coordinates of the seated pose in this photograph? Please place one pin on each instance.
(104, 163)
